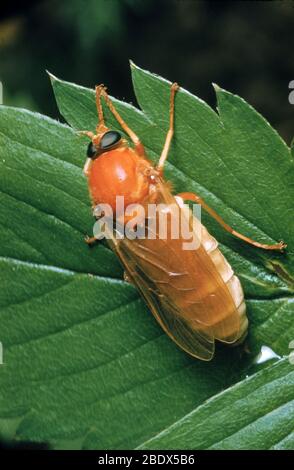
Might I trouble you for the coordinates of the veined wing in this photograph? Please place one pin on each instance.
(183, 288)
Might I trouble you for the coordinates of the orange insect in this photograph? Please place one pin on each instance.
(193, 294)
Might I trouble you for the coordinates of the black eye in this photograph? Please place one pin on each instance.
(109, 139)
(91, 150)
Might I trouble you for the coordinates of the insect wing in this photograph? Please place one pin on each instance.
(183, 288)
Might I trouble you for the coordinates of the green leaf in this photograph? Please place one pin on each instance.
(44, 203)
(256, 413)
(85, 364)
(235, 159)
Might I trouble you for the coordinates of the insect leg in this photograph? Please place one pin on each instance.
(170, 132)
(134, 138)
(89, 134)
(195, 198)
(98, 92)
(101, 124)
(90, 240)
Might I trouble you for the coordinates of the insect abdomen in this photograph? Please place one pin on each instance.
(221, 327)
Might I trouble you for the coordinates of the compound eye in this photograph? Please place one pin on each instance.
(91, 151)
(109, 139)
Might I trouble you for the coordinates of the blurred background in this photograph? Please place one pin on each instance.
(246, 47)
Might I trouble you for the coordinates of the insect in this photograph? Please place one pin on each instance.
(193, 294)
